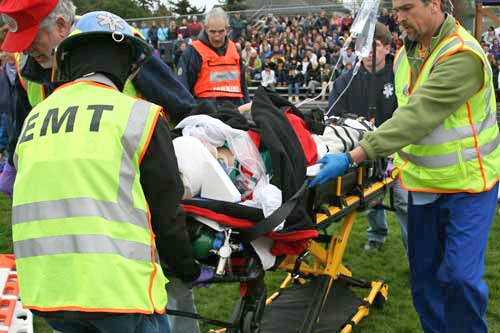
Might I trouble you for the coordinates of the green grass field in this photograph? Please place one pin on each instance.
(389, 264)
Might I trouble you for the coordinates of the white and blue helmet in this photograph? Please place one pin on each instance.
(98, 24)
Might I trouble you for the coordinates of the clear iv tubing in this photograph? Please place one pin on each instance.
(354, 73)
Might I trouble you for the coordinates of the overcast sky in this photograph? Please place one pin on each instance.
(200, 3)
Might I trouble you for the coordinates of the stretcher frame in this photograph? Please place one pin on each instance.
(327, 255)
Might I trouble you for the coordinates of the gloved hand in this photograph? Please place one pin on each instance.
(334, 165)
(206, 274)
(7, 179)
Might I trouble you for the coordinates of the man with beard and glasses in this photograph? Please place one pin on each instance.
(447, 140)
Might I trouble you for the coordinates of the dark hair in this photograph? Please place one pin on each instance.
(382, 34)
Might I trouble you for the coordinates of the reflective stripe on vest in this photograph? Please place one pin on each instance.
(81, 244)
(99, 228)
(449, 159)
(219, 76)
(468, 139)
(89, 207)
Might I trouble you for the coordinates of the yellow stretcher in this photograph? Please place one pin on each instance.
(320, 276)
(317, 295)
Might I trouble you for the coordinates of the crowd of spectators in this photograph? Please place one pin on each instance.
(491, 46)
(297, 53)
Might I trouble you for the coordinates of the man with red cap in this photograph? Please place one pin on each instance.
(36, 27)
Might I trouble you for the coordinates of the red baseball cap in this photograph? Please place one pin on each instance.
(23, 18)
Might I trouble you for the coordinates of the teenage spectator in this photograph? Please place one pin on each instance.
(172, 30)
(324, 54)
(308, 23)
(280, 73)
(326, 83)
(305, 68)
(393, 23)
(314, 77)
(494, 67)
(268, 77)
(266, 51)
(179, 48)
(348, 57)
(162, 36)
(495, 49)
(358, 100)
(144, 30)
(490, 35)
(153, 35)
(322, 20)
(294, 79)
(334, 23)
(237, 25)
(384, 18)
(183, 28)
(396, 42)
(346, 22)
(277, 55)
(195, 27)
(347, 67)
(311, 55)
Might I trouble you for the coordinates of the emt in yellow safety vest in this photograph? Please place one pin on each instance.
(447, 138)
(211, 67)
(36, 27)
(96, 198)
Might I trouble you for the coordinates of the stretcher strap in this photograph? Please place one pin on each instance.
(275, 219)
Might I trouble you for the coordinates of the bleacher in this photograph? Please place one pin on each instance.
(283, 91)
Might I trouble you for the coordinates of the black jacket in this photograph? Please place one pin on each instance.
(356, 100)
(163, 190)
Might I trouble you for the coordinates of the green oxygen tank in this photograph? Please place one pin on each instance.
(203, 244)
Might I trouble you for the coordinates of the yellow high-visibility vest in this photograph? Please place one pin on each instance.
(81, 223)
(462, 154)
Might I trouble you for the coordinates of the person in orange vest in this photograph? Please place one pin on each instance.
(211, 67)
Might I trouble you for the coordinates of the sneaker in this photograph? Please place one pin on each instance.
(372, 246)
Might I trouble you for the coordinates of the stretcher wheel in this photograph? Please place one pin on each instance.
(379, 301)
(249, 325)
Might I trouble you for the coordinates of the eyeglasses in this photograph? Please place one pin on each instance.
(213, 31)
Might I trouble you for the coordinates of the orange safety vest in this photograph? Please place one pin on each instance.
(219, 75)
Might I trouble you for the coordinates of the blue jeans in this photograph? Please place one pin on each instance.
(400, 197)
(128, 323)
(447, 241)
(293, 89)
(180, 297)
(377, 219)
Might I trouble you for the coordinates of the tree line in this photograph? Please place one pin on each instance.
(148, 8)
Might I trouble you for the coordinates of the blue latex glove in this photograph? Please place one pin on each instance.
(334, 165)
(7, 179)
(206, 274)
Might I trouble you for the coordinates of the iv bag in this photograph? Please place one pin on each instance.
(363, 27)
